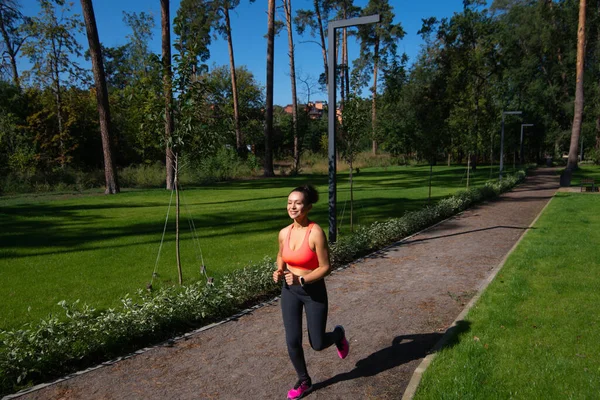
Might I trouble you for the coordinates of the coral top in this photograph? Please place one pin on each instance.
(302, 257)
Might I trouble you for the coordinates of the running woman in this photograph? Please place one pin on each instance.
(302, 264)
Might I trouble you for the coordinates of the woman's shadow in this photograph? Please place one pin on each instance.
(404, 349)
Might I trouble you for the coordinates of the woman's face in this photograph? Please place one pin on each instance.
(296, 207)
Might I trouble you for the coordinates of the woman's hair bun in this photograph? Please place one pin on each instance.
(311, 195)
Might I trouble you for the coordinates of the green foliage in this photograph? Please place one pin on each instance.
(30, 180)
(354, 127)
(223, 165)
(143, 176)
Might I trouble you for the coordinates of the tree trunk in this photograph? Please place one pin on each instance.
(597, 146)
(351, 195)
(239, 144)
(110, 175)
(168, 89)
(578, 115)
(322, 36)
(287, 5)
(346, 69)
(58, 101)
(341, 75)
(597, 133)
(12, 54)
(374, 102)
(268, 162)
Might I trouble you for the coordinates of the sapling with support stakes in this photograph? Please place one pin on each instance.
(176, 185)
(468, 168)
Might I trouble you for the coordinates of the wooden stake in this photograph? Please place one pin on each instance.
(177, 218)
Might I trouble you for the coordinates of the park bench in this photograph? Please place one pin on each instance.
(588, 185)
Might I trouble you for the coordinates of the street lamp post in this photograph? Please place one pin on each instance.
(521, 158)
(331, 112)
(502, 139)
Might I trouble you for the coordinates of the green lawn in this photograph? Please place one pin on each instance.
(97, 248)
(586, 171)
(535, 332)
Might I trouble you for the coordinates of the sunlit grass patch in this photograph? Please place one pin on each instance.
(534, 333)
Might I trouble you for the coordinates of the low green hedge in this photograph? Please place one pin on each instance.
(57, 346)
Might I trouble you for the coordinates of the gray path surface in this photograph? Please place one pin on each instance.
(395, 305)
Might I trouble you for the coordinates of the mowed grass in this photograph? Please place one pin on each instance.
(586, 171)
(535, 332)
(98, 248)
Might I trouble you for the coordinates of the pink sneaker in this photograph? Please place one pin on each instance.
(343, 347)
(300, 389)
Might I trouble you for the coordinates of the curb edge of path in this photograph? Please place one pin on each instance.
(415, 380)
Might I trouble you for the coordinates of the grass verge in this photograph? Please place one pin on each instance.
(535, 331)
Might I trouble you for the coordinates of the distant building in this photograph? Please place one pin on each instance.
(315, 110)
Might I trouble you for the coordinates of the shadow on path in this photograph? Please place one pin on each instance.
(404, 349)
(524, 228)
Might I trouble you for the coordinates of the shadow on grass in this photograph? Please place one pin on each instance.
(33, 229)
(49, 229)
(403, 349)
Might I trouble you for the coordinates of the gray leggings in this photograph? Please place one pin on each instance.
(313, 297)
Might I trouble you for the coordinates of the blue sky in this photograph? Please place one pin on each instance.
(249, 25)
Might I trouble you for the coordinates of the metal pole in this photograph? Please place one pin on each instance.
(581, 151)
(501, 148)
(331, 115)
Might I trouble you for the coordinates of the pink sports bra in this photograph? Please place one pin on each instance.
(303, 256)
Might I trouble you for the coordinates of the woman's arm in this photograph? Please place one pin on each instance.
(278, 273)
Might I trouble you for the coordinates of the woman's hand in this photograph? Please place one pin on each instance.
(277, 275)
(290, 278)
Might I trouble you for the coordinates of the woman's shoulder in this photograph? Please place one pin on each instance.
(316, 230)
(284, 231)
(316, 227)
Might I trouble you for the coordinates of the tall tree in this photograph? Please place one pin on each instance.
(222, 24)
(192, 25)
(578, 115)
(165, 22)
(287, 8)
(11, 21)
(110, 175)
(378, 47)
(313, 19)
(51, 45)
(268, 161)
(346, 9)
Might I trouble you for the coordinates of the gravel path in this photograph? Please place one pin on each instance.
(395, 304)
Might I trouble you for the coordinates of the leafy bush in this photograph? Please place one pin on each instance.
(143, 176)
(222, 166)
(56, 346)
(67, 179)
(593, 155)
